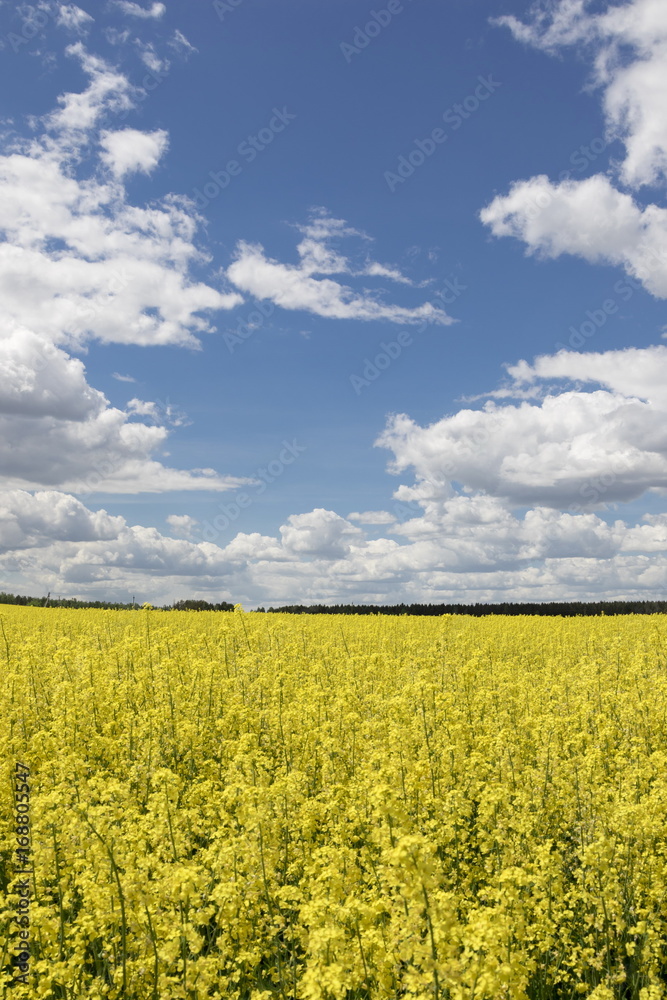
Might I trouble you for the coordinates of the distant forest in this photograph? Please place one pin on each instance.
(564, 608)
(72, 602)
(567, 609)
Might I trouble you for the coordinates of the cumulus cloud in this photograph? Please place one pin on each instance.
(107, 452)
(321, 532)
(464, 549)
(56, 430)
(566, 448)
(79, 262)
(128, 150)
(51, 539)
(119, 273)
(33, 521)
(372, 517)
(502, 506)
(108, 90)
(592, 218)
(182, 525)
(302, 286)
(633, 371)
(574, 449)
(38, 379)
(628, 44)
(97, 266)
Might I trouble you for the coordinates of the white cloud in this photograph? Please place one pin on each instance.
(155, 11)
(74, 18)
(591, 218)
(31, 521)
(471, 549)
(53, 540)
(456, 548)
(320, 533)
(122, 378)
(38, 379)
(150, 58)
(116, 37)
(182, 525)
(108, 90)
(293, 287)
(629, 46)
(298, 287)
(375, 270)
(572, 449)
(129, 150)
(632, 371)
(105, 452)
(179, 43)
(142, 408)
(372, 517)
(118, 273)
(576, 449)
(78, 262)
(138, 552)
(56, 430)
(468, 549)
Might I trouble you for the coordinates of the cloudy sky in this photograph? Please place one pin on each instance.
(314, 302)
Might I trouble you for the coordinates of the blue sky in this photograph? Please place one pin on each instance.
(218, 218)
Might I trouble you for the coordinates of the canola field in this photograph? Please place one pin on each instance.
(257, 806)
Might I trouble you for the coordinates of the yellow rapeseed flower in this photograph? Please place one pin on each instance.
(255, 806)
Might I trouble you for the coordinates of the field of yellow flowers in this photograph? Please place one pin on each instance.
(252, 806)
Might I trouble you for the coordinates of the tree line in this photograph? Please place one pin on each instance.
(73, 602)
(566, 609)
